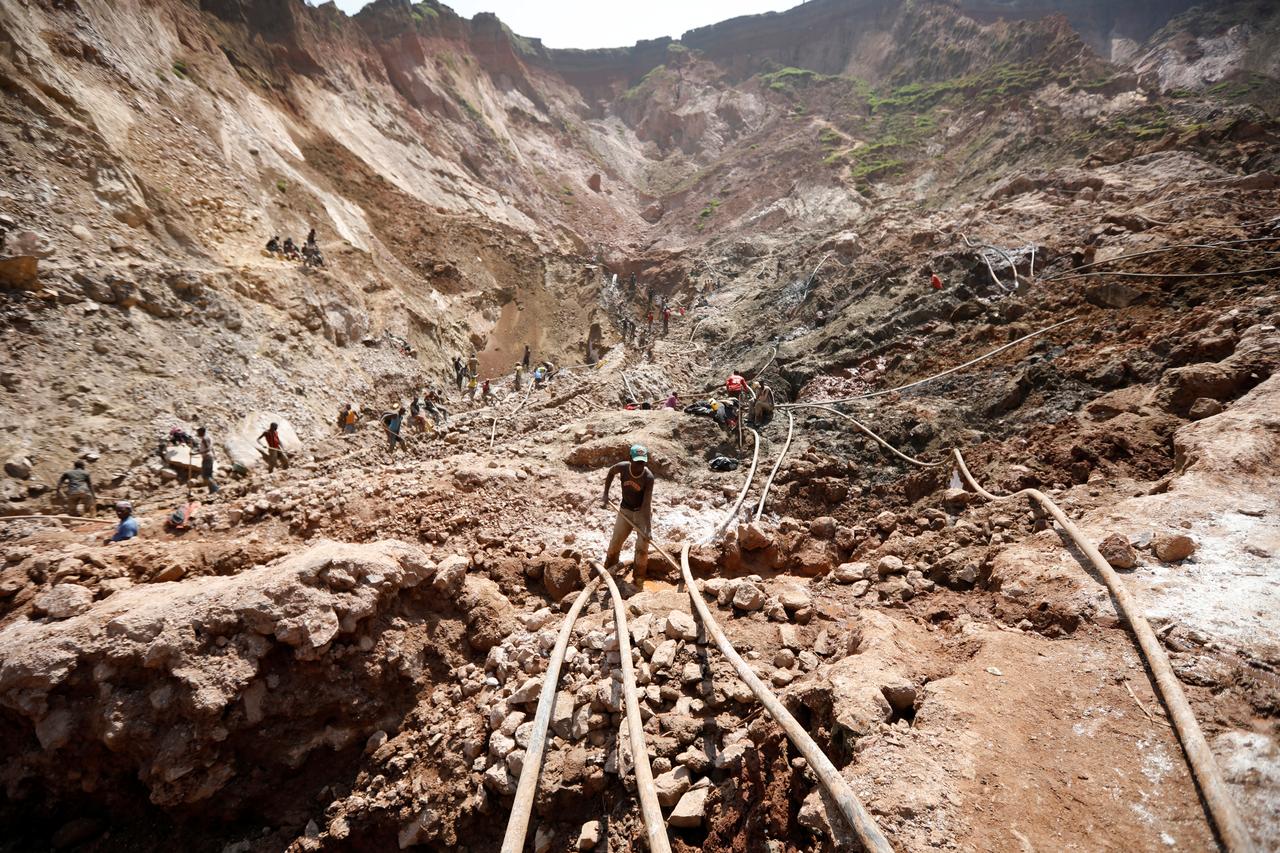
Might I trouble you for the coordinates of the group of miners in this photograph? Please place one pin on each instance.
(308, 252)
(632, 331)
(467, 380)
(426, 409)
(76, 492)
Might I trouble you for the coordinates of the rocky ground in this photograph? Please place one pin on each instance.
(346, 654)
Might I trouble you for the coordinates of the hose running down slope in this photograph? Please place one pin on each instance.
(1222, 811)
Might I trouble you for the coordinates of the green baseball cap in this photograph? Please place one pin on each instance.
(639, 453)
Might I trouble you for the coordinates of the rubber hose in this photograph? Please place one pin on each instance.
(655, 826)
(828, 776)
(764, 495)
(1222, 810)
(522, 806)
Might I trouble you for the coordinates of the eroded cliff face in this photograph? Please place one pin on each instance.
(1113, 30)
(461, 179)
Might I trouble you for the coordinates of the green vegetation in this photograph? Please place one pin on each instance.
(467, 107)
(785, 79)
(925, 123)
(520, 43)
(180, 68)
(877, 160)
(1238, 89)
(654, 75)
(282, 185)
(421, 13)
(832, 144)
(1099, 84)
(1148, 123)
(868, 169)
(991, 84)
(708, 212)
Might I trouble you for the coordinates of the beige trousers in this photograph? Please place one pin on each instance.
(622, 530)
(76, 502)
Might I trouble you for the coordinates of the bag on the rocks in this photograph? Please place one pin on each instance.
(702, 410)
(723, 463)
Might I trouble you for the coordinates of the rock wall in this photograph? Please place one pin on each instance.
(206, 691)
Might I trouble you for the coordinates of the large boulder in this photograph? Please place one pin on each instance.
(18, 467)
(30, 243)
(19, 273)
(1117, 551)
(63, 601)
(561, 576)
(490, 616)
(1182, 387)
(119, 193)
(1256, 357)
(182, 458)
(182, 675)
(1172, 547)
(754, 536)
(242, 446)
(1112, 294)
(691, 809)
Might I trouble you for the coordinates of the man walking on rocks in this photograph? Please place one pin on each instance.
(391, 422)
(458, 370)
(206, 459)
(347, 419)
(431, 402)
(79, 489)
(762, 408)
(634, 511)
(275, 453)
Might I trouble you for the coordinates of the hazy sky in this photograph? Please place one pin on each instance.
(591, 23)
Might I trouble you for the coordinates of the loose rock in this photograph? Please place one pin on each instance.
(691, 809)
(1117, 551)
(1172, 547)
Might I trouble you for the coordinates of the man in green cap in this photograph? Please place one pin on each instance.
(634, 510)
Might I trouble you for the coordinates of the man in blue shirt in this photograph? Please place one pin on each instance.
(128, 526)
(392, 422)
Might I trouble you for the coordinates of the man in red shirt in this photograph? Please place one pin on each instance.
(275, 453)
